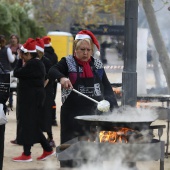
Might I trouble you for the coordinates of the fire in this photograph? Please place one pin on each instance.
(138, 104)
(141, 104)
(120, 136)
(117, 92)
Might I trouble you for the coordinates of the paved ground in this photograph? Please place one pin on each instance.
(114, 75)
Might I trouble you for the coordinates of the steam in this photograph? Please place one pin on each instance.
(125, 114)
(131, 114)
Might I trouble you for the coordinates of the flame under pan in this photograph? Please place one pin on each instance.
(103, 121)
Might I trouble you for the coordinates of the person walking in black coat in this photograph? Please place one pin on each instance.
(52, 56)
(49, 94)
(30, 98)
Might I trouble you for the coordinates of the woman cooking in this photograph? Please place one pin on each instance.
(86, 74)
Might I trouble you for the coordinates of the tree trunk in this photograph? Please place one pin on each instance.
(158, 41)
(156, 70)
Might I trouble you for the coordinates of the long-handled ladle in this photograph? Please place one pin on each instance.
(103, 105)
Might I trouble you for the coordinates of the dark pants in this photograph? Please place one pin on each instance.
(2, 138)
(54, 104)
(11, 100)
(44, 143)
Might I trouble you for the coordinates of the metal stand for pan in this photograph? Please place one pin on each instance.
(85, 150)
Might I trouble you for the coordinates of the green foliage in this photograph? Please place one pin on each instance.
(5, 14)
(56, 15)
(14, 19)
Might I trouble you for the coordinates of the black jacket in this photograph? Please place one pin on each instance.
(51, 55)
(30, 98)
(4, 59)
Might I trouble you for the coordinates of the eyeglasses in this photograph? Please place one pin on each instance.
(84, 49)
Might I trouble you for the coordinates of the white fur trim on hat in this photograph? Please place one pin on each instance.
(39, 48)
(26, 51)
(82, 36)
(88, 34)
(47, 45)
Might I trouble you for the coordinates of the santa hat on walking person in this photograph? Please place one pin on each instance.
(88, 34)
(47, 41)
(29, 46)
(40, 44)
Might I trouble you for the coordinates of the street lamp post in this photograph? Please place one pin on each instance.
(129, 75)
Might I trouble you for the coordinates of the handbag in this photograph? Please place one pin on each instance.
(4, 87)
(3, 118)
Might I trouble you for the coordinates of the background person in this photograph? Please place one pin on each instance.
(105, 43)
(2, 134)
(2, 138)
(46, 110)
(30, 98)
(6, 57)
(14, 45)
(87, 75)
(52, 56)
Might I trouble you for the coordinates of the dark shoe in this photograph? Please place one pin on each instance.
(10, 107)
(14, 142)
(54, 123)
(52, 143)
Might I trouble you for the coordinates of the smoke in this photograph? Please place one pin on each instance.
(113, 165)
(162, 14)
(51, 164)
(122, 156)
(116, 156)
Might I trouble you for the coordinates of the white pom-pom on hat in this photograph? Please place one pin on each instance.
(88, 34)
(97, 53)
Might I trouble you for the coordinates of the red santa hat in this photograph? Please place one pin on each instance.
(29, 46)
(40, 44)
(47, 41)
(88, 34)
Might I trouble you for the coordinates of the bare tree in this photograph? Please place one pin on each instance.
(158, 40)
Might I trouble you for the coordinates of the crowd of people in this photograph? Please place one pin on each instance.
(30, 66)
(38, 70)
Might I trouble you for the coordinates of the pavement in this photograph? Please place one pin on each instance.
(115, 76)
